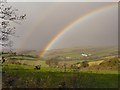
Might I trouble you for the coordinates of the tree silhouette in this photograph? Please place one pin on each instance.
(8, 15)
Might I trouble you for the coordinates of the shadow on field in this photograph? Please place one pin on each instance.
(37, 79)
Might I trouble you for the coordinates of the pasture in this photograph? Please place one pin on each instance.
(26, 77)
(102, 72)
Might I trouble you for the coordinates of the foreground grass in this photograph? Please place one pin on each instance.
(26, 77)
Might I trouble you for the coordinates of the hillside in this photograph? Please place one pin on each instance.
(86, 53)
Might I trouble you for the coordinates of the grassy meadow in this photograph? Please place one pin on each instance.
(98, 71)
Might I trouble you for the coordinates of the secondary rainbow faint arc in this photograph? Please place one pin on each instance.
(47, 13)
(68, 27)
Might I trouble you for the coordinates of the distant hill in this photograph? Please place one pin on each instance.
(83, 53)
(77, 53)
(29, 52)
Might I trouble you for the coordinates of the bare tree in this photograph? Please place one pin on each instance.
(8, 15)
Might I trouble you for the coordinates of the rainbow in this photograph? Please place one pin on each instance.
(74, 23)
(46, 14)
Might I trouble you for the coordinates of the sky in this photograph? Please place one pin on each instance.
(46, 19)
(63, 1)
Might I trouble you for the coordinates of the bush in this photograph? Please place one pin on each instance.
(52, 63)
(84, 64)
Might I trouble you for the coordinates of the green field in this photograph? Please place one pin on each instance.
(102, 72)
(26, 77)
